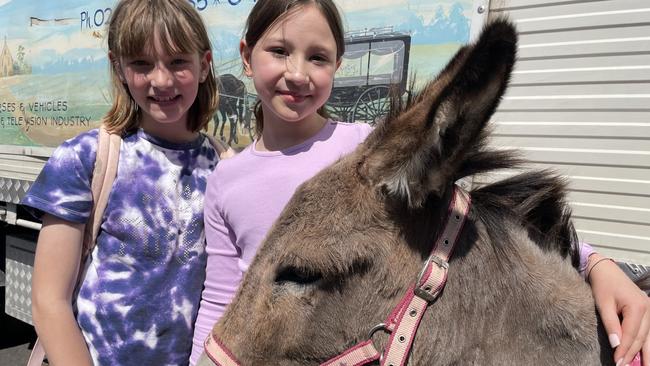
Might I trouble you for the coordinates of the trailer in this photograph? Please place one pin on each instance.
(578, 101)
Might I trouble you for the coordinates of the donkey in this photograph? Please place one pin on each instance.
(353, 239)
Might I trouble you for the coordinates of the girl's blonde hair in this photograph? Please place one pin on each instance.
(130, 33)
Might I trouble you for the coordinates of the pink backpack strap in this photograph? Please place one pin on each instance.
(104, 172)
(38, 354)
(108, 154)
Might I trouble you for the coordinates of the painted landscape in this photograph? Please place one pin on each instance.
(54, 71)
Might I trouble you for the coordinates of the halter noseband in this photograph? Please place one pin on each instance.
(403, 321)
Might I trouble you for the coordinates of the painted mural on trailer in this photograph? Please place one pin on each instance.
(54, 70)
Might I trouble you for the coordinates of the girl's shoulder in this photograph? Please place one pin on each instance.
(82, 147)
(234, 161)
(353, 127)
(352, 132)
(335, 137)
(85, 139)
(67, 173)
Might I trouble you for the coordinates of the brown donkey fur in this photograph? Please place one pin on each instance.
(353, 238)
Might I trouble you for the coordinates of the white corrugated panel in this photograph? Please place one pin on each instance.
(579, 103)
(24, 167)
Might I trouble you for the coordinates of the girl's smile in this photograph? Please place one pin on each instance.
(291, 97)
(165, 101)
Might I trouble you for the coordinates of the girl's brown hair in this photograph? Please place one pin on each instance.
(130, 32)
(266, 13)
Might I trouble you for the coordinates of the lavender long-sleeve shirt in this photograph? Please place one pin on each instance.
(245, 195)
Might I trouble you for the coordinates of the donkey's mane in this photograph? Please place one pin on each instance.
(537, 200)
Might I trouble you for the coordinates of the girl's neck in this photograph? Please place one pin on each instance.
(278, 135)
(173, 132)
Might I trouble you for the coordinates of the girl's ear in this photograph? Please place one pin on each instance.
(206, 63)
(245, 53)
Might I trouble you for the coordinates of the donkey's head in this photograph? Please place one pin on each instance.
(353, 238)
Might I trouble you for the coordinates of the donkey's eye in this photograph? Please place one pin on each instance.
(299, 276)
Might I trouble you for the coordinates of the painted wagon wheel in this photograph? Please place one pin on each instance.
(340, 111)
(372, 105)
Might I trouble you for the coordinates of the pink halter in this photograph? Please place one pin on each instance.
(403, 321)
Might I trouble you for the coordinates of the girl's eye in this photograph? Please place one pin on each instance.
(139, 63)
(278, 51)
(179, 61)
(319, 58)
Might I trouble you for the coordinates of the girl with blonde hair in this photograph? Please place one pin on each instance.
(137, 301)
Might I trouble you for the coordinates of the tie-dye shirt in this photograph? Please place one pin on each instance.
(138, 301)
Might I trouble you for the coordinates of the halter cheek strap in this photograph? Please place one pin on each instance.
(218, 353)
(403, 321)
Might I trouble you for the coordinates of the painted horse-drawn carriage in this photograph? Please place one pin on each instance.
(375, 64)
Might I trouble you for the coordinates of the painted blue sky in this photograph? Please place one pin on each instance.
(418, 17)
(55, 46)
(49, 43)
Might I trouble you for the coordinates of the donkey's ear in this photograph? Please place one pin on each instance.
(420, 151)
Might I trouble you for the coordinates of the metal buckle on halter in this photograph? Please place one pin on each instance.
(424, 292)
(379, 327)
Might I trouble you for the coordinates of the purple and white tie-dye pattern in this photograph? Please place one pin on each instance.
(138, 301)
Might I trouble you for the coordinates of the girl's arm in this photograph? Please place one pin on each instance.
(55, 272)
(223, 274)
(616, 295)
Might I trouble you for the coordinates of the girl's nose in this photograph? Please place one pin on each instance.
(295, 73)
(296, 77)
(161, 77)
